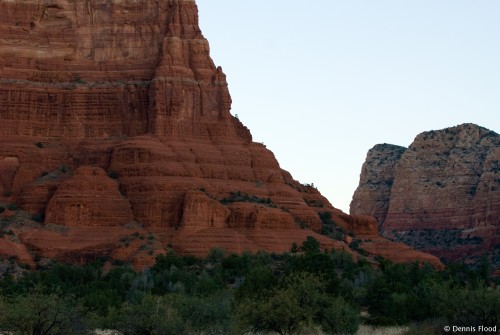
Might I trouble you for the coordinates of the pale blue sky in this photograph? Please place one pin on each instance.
(322, 82)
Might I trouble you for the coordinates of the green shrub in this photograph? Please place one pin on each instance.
(311, 245)
(113, 174)
(39, 217)
(314, 203)
(296, 305)
(13, 207)
(79, 80)
(216, 255)
(467, 307)
(243, 197)
(37, 312)
(338, 317)
(152, 315)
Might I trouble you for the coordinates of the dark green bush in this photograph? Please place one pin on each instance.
(113, 174)
(39, 217)
(13, 207)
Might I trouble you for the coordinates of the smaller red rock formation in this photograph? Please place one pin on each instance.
(442, 194)
(398, 252)
(250, 215)
(81, 244)
(88, 198)
(201, 211)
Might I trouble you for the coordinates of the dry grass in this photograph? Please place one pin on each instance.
(367, 330)
(364, 330)
(105, 332)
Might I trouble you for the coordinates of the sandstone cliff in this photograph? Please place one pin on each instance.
(116, 136)
(441, 195)
(377, 178)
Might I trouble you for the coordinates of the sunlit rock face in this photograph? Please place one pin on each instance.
(115, 121)
(442, 194)
(93, 69)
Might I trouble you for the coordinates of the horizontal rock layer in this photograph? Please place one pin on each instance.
(107, 69)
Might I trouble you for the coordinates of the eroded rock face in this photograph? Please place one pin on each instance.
(88, 198)
(103, 69)
(8, 169)
(445, 195)
(377, 177)
(96, 89)
(199, 210)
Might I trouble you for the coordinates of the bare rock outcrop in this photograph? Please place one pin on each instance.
(199, 210)
(445, 192)
(377, 177)
(88, 198)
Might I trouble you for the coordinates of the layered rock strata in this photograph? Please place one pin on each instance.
(442, 194)
(114, 120)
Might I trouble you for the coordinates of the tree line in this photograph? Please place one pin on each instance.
(304, 291)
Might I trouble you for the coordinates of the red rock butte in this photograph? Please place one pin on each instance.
(442, 194)
(116, 132)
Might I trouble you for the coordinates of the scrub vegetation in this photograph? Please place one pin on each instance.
(306, 291)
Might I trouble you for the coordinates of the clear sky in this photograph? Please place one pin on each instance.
(321, 82)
